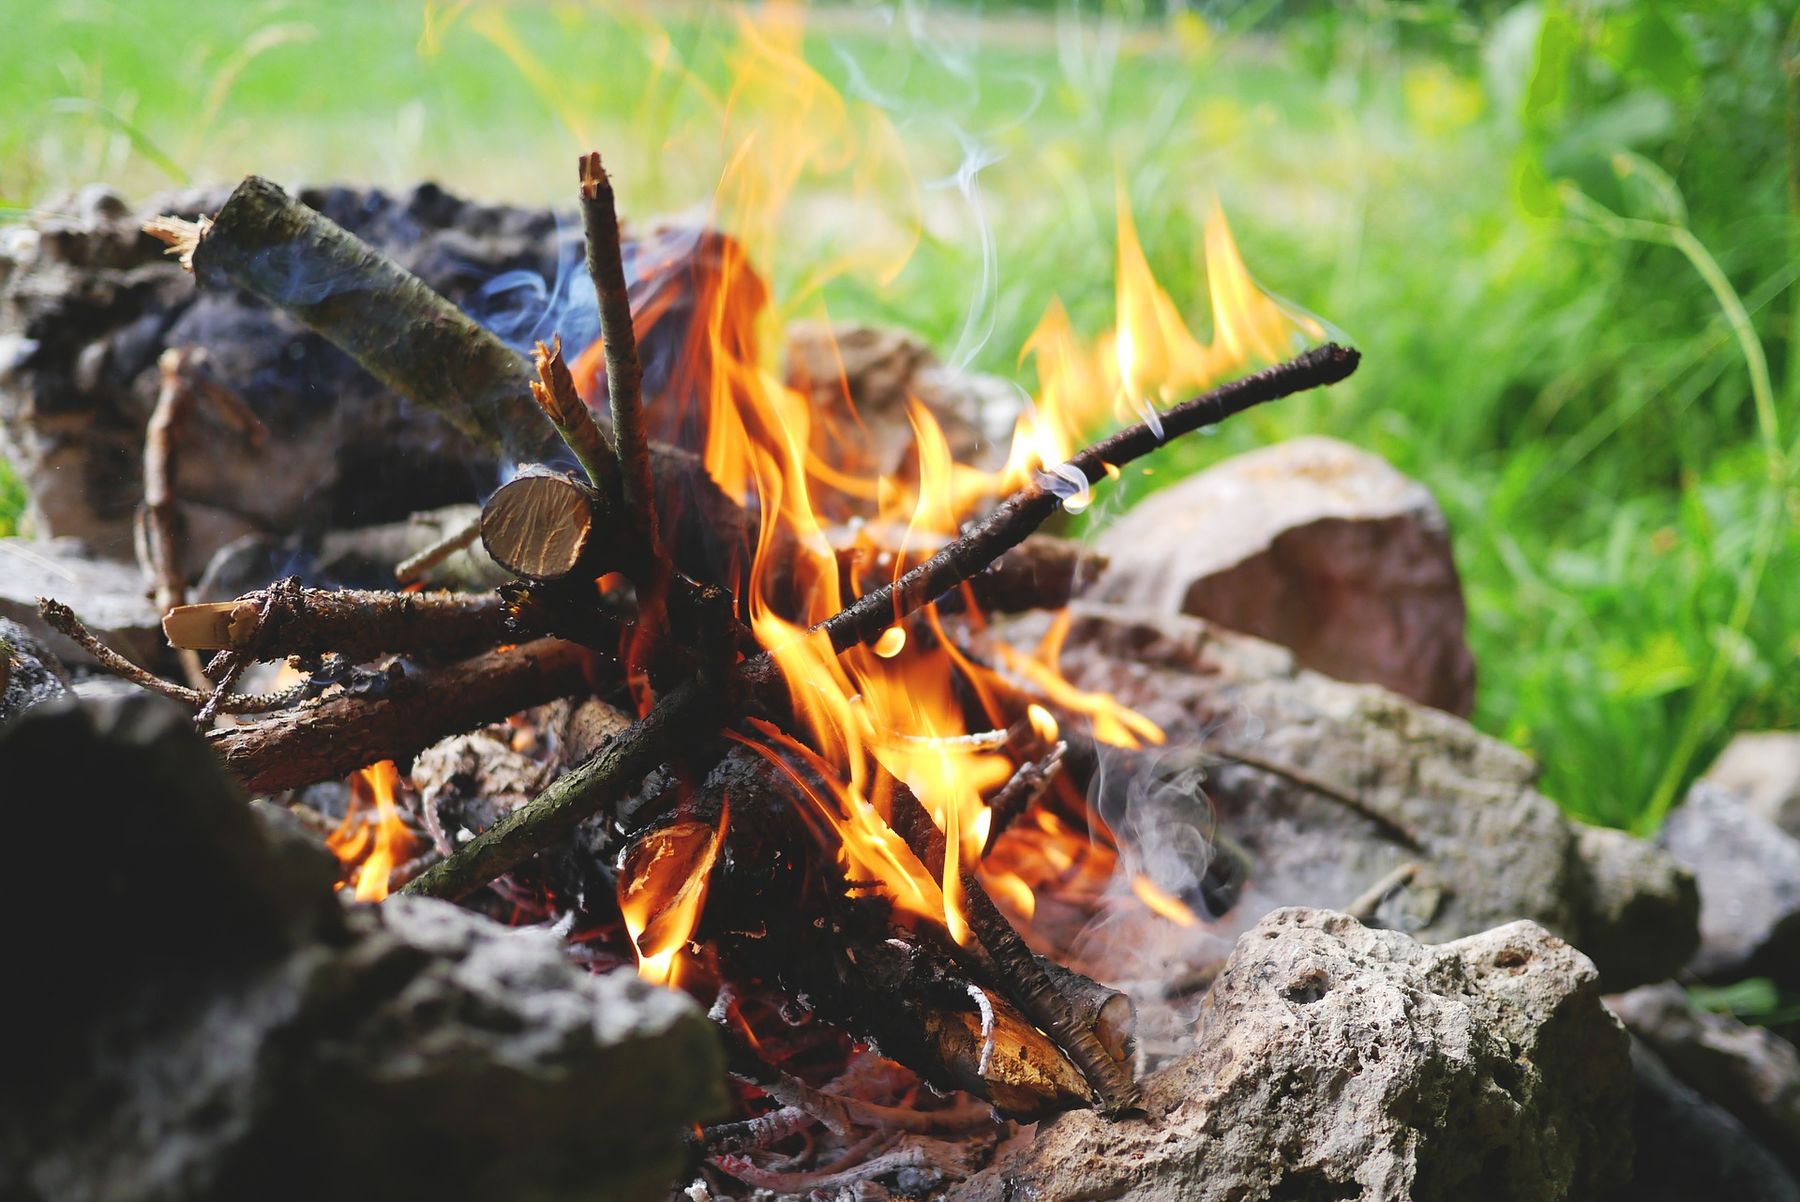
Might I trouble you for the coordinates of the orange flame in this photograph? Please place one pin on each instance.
(662, 891)
(899, 710)
(393, 843)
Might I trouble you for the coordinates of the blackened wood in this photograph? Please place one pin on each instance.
(1030, 985)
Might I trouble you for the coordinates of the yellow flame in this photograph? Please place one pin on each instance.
(392, 843)
(662, 891)
(1163, 903)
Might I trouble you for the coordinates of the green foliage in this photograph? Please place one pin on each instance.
(1563, 232)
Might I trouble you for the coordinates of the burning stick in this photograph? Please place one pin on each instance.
(1034, 989)
(603, 780)
(332, 738)
(1023, 512)
(1026, 785)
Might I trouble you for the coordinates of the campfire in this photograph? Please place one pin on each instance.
(749, 713)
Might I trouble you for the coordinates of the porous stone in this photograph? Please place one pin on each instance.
(208, 1022)
(1753, 1073)
(1748, 873)
(1328, 788)
(1313, 544)
(1763, 767)
(1334, 1061)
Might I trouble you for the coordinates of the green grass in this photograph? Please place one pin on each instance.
(1601, 397)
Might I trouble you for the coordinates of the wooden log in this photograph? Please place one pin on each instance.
(332, 737)
(357, 624)
(547, 528)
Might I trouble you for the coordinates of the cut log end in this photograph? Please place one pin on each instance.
(539, 527)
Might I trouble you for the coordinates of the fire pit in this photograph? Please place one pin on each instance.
(747, 686)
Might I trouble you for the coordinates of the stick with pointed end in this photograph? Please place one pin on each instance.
(624, 374)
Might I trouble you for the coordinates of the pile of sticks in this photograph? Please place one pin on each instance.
(987, 1016)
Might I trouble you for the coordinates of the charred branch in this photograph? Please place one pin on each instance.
(1030, 983)
(1022, 513)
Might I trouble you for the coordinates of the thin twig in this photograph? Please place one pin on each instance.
(842, 1114)
(1365, 905)
(624, 374)
(1323, 788)
(414, 567)
(182, 383)
(1022, 790)
(1022, 513)
(554, 391)
(62, 619)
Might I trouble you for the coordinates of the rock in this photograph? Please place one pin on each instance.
(1751, 1072)
(1763, 767)
(29, 674)
(1689, 1150)
(1313, 544)
(108, 596)
(1338, 1062)
(208, 1022)
(1748, 873)
(1328, 788)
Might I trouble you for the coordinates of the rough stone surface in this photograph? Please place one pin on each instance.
(1415, 785)
(29, 673)
(1763, 767)
(1338, 1062)
(208, 1022)
(1690, 1150)
(1313, 544)
(109, 596)
(1748, 873)
(1752, 1072)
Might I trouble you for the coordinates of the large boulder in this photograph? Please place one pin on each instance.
(1748, 873)
(29, 673)
(1328, 788)
(208, 1022)
(1315, 545)
(1339, 1062)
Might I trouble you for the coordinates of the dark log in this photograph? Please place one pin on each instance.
(355, 623)
(332, 737)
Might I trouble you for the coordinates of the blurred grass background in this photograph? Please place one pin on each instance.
(1566, 236)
